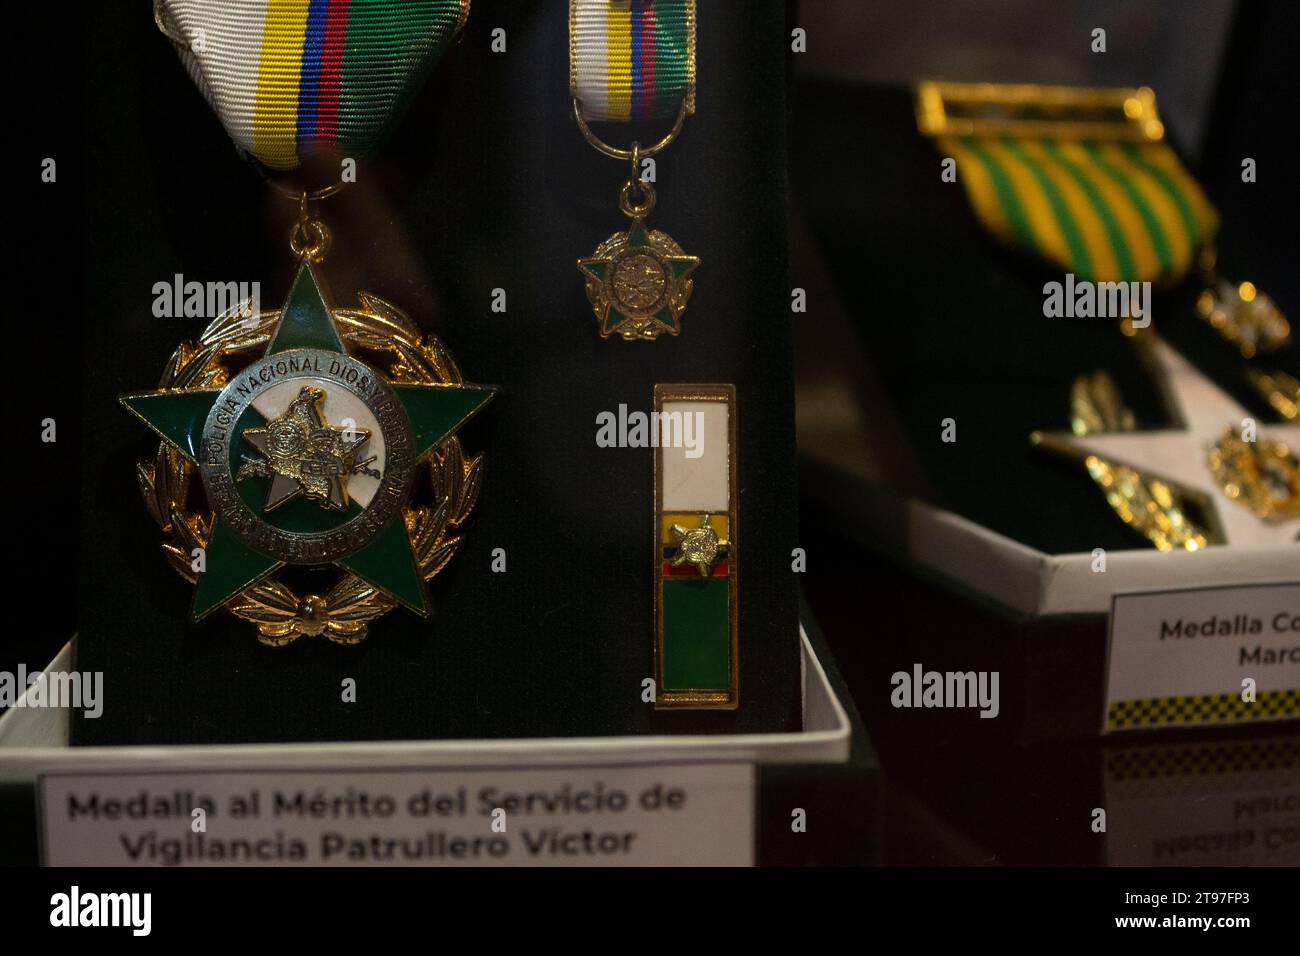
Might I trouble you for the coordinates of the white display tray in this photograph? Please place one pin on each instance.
(34, 741)
(857, 463)
(1038, 583)
(1023, 578)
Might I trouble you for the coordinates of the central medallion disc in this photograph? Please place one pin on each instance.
(640, 282)
(306, 456)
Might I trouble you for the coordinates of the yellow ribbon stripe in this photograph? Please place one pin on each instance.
(1158, 201)
(1044, 220)
(278, 72)
(618, 53)
(1126, 218)
(980, 188)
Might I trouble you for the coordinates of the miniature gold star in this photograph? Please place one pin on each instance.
(638, 283)
(698, 546)
(303, 454)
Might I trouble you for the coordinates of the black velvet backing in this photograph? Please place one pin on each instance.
(43, 268)
(486, 184)
(953, 321)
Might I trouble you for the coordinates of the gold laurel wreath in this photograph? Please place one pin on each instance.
(1246, 471)
(344, 612)
(1147, 505)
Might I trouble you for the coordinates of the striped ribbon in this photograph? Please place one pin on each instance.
(632, 59)
(1106, 211)
(290, 78)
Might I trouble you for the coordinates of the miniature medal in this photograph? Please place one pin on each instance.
(310, 478)
(634, 62)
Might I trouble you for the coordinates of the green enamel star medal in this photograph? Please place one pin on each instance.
(638, 282)
(310, 478)
(324, 444)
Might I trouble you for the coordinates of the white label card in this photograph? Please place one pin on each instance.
(659, 815)
(1227, 655)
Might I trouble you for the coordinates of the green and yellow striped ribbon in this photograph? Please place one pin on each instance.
(1105, 211)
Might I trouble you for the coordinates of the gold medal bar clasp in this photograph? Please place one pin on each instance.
(1029, 110)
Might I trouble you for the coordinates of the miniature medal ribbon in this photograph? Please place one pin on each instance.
(289, 78)
(1081, 177)
(632, 59)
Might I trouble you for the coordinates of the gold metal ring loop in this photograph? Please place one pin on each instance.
(309, 239)
(313, 195)
(615, 152)
(636, 210)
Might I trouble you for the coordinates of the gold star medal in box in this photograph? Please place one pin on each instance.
(1084, 179)
(634, 63)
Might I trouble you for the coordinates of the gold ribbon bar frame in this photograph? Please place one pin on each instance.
(1038, 112)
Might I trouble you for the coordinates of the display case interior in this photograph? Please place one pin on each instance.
(952, 323)
(486, 185)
